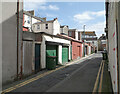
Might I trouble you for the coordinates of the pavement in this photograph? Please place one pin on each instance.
(77, 76)
(106, 84)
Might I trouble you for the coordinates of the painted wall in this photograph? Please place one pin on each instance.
(76, 35)
(64, 30)
(118, 27)
(89, 50)
(53, 27)
(31, 21)
(56, 27)
(52, 39)
(9, 37)
(60, 54)
(112, 38)
(43, 28)
(76, 50)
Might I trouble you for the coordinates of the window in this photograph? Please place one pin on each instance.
(38, 26)
(70, 34)
(46, 26)
(28, 21)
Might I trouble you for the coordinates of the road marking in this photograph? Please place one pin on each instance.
(97, 79)
(67, 78)
(101, 79)
(36, 78)
(30, 80)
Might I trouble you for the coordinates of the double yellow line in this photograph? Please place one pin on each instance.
(32, 79)
(101, 70)
(29, 81)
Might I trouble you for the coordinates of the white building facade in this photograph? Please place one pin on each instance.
(29, 19)
(50, 27)
(60, 41)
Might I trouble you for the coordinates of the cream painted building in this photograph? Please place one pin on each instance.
(50, 27)
(29, 19)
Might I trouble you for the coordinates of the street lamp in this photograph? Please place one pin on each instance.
(84, 39)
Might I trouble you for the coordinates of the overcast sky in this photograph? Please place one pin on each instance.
(73, 14)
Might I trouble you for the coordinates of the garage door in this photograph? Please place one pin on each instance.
(37, 57)
(64, 54)
(27, 57)
(51, 50)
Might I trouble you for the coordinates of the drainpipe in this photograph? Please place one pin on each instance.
(17, 36)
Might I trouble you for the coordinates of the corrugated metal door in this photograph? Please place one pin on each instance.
(37, 57)
(64, 54)
(51, 50)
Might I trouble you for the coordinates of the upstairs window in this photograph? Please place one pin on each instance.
(70, 34)
(38, 27)
(28, 21)
(46, 26)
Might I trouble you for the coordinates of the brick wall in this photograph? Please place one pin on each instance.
(76, 50)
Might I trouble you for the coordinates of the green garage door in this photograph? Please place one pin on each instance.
(64, 54)
(37, 57)
(51, 50)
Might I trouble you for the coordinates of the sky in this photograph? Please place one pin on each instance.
(73, 14)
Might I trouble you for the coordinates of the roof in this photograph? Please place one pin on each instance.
(59, 36)
(32, 12)
(51, 35)
(51, 21)
(90, 33)
(72, 29)
(29, 14)
(63, 26)
(70, 38)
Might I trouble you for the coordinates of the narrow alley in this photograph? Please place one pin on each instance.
(80, 76)
(60, 46)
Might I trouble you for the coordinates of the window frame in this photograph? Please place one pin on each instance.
(38, 26)
(46, 26)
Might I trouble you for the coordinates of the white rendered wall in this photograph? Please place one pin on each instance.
(112, 44)
(69, 52)
(52, 39)
(43, 28)
(89, 50)
(76, 35)
(26, 18)
(56, 27)
(43, 53)
(32, 21)
(53, 27)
